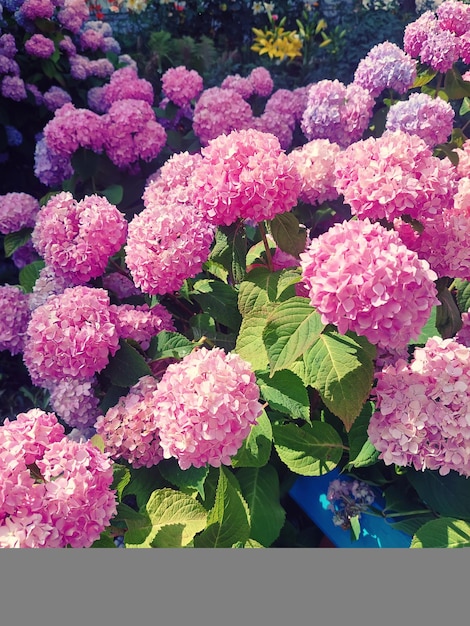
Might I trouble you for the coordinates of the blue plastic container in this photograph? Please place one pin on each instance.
(309, 492)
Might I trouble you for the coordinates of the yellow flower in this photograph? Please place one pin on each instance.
(277, 43)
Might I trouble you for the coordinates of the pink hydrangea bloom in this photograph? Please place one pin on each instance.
(91, 40)
(247, 175)
(39, 46)
(129, 429)
(440, 51)
(33, 9)
(315, 163)
(74, 401)
(206, 405)
(219, 111)
(47, 284)
(360, 277)
(261, 81)
(241, 85)
(386, 66)
(167, 243)
(54, 492)
(276, 124)
(13, 88)
(125, 84)
(289, 104)
(73, 14)
(454, 16)
(463, 166)
(71, 335)
(75, 238)
(14, 305)
(72, 128)
(175, 172)
(141, 323)
(181, 85)
(17, 210)
(422, 407)
(430, 118)
(417, 32)
(394, 175)
(337, 112)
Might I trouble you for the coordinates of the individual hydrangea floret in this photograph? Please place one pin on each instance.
(360, 276)
(76, 239)
(386, 66)
(422, 408)
(181, 85)
(55, 492)
(394, 175)
(39, 46)
(246, 175)
(430, 118)
(14, 304)
(337, 112)
(206, 405)
(71, 335)
(141, 323)
(315, 163)
(129, 428)
(17, 210)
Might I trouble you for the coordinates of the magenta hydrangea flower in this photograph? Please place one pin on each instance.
(167, 243)
(55, 492)
(91, 39)
(337, 112)
(75, 238)
(246, 175)
(422, 407)
(289, 104)
(71, 335)
(125, 84)
(261, 81)
(39, 46)
(33, 9)
(276, 124)
(181, 85)
(220, 111)
(72, 128)
(315, 163)
(360, 276)
(206, 405)
(432, 119)
(14, 304)
(73, 14)
(141, 323)
(175, 172)
(75, 402)
(240, 84)
(8, 45)
(386, 66)
(129, 429)
(394, 175)
(17, 210)
(67, 46)
(121, 285)
(454, 16)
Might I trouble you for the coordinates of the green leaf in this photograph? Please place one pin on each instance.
(454, 85)
(228, 521)
(260, 488)
(291, 329)
(192, 478)
(429, 329)
(166, 507)
(218, 300)
(13, 241)
(361, 451)
(448, 495)
(202, 325)
(86, 163)
(465, 106)
(411, 524)
(113, 193)
(216, 269)
(29, 274)
(355, 527)
(256, 449)
(127, 366)
(462, 288)
(424, 78)
(105, 541)
(167, 344)
(97, 441)
(289, 235)
(341, 368)
(446, 532)
(144, 481)
(285, 392)
(121, 478)
(308, 450)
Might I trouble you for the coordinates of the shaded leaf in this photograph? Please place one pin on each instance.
(29, 274)
(256, 449)
(219, 301)
(169, 345)
(127, 366)
(13, 241)
(191, 478)
(448, 495)
(361, 451)
(289, 235)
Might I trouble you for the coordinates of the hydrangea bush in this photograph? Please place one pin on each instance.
(225, 288)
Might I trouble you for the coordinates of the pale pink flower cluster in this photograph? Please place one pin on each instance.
(73, 14)
(125, 84)
(337, 112)
(422, 408)
(360, 277)
(39, 46)
(386, 66)
(72, 128)
(432, 119)
(75, 402)
(76, 239)
(17, 210)
(181, 85)
(175, 172)
(220, 111)
(394, 175)
(315, 162)
(54, 492)
(14, 305)
(242, 85)
(463, 166)
(141, 323)
(131, 132)
(167, 243)
(246, 175)
(71, 335)
(129, 429)
(206, 405)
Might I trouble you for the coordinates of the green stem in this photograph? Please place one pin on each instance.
(269, 257)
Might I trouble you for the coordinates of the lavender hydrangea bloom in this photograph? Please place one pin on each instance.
(386, 66)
